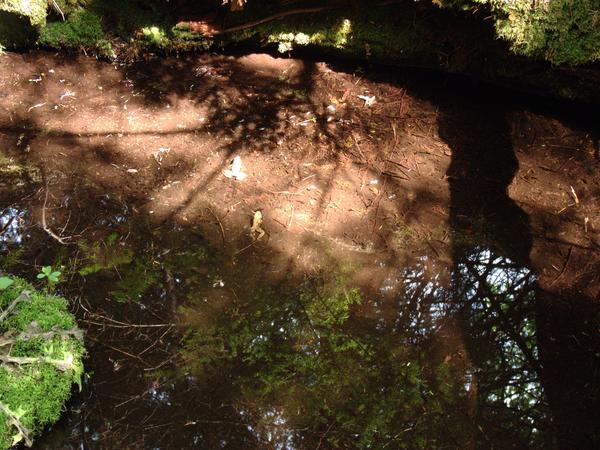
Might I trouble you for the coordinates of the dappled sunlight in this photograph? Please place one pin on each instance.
(409, 245)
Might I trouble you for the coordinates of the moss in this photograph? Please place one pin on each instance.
(16, 176)
(81, 29)
(378, 33)
(34, 10)
(40, 366)
(155, 36)
(559, 31)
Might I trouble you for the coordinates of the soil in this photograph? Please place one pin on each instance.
(369, 168)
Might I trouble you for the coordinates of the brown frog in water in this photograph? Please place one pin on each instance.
(256, 230)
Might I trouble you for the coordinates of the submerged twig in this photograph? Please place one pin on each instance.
(564, 268)
(574, 194)
(219, 223)
(45, 225)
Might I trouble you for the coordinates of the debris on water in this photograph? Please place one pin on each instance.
(132, 171)
(160, 154)
(37, 106)
(67, 94)
(236, 170)
(574, 194)
(369, 99)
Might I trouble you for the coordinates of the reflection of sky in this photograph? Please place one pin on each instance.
(499, 296)
(10, 226)
(272, 429)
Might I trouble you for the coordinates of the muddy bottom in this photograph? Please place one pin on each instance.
(402, 261)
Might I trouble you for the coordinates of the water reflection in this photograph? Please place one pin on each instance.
(11, 226)
(457, 368)
(438, 357)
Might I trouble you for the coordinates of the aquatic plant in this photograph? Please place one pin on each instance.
(41, 353)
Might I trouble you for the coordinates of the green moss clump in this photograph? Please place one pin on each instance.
(378, 33)
(81, 29)
(155, 37)
(559, 31)
(34, 10)
(41, 358)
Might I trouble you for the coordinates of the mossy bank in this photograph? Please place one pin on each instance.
(550, 48)
(41, 353)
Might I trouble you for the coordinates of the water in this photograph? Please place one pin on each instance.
(197, 340)
(438, 357)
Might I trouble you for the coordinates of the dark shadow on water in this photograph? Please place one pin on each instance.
(563, 370)
(482, 167)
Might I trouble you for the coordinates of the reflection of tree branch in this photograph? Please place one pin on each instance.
(509, 329)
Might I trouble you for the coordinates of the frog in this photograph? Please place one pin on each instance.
(256, 230)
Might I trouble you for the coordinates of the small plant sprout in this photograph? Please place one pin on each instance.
(52, 276)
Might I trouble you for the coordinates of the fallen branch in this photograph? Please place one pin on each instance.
(58, 10)
(219, 223)
(271, 18)
(60, 364)
(24, 432)
(48, 335)
(283, 14)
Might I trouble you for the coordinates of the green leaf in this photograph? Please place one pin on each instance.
(47, 270)
(5, 282)
(41, 275)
